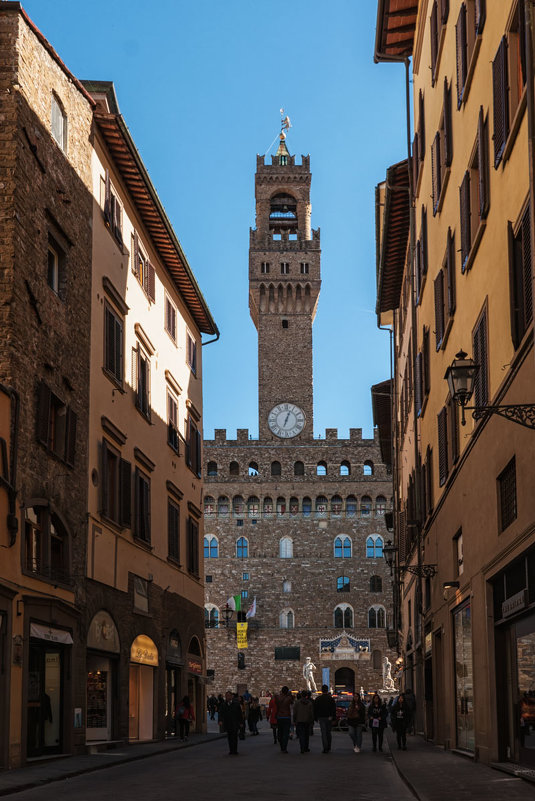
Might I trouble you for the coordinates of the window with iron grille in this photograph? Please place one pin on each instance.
(521, 288)
(507, 495)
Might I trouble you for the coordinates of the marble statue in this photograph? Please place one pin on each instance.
(308, 674)
(388, 682)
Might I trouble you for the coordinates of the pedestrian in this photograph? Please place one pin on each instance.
(410, 700)
(244, 713)
(401, 721)
(377, 719)
(212, 706)
(284, 701)
(271, 716)
(230, 717)
(185, 715)
(303, 717)
(325, 713)
(356, 720)
(255, 714)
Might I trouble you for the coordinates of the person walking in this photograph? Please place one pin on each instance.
(230, 718)
(401, 721)
(255, 714)
(324, 713)
(377, 719)
(356, 721)
(271, 716)
(185, 715)
(410, 700)
(284, 701)
(303, 717)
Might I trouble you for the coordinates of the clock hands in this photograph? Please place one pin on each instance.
(286, 420)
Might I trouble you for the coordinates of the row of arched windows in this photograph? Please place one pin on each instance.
(343, 617)
(342, 547)
(320, 507)
(321, 469)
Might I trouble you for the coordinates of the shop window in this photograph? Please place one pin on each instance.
(211, 547)
(46, 545)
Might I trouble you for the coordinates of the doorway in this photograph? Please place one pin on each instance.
(344, 680)
(464, 680)
(141, 701)
(99, 698)
(45, 700)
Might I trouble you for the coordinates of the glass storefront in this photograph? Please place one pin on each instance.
(45, 685)
(464, 680)
(525, 682)
(99, 687)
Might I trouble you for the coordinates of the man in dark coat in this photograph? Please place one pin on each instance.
(230, 720)
(325, 713)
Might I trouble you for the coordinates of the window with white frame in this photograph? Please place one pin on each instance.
(286, 548)
(342, 548)
(286, 619)
(374, 547)
(343, 617)
(58, 123)
(211, 616)
(211, 547)
(376, 617)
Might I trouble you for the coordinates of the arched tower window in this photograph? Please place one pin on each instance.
(275, 468)
(267, 507)
(307, 507)
(294, 506)
(299, 469)
(365, 506)
(222, 506)
(242, 548)
(286, 548)
(321, 468)
(345, 468)
(342, 548)
(253, 506)
(253, 469)
(283, 210)
(336, 505)
(238, 506)
(380, 505)
(234, 469)
(281, 507)
(211, 547)
(211, 469)
(351, 506)
(368, 468)
(321, 506)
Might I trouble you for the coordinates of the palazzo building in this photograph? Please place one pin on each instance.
(294, 524)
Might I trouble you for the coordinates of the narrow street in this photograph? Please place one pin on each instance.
(260, 772)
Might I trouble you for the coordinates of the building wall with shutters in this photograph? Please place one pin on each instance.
(475, 298)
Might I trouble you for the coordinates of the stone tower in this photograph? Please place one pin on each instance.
(284, 286)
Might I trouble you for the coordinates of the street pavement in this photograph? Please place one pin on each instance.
(201, 768)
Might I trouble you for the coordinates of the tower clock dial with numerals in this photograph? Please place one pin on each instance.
(286, 420)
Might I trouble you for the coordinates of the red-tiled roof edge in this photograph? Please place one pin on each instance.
(405, 9)
(396, 204)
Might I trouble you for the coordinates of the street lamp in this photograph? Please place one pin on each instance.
(227, 614)
(389, 554)
(461, 376)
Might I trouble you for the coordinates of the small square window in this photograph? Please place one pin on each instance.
(254, 522)
(239, 522)
(285, 323)
(244, 593)
(304, 268)
(209, 579)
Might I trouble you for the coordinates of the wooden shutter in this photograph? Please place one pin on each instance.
(483, 160)
(442, 427)
(423, 238)
(43, 413)
(461, 51)
(422, 478)
(450, 272)
(70, 436)
(402, 543)
(107, 199)
(439, 309)
(418, 395)
(429, 479)
(522, 40)
(434, 39)
(448, 135)
(146, 508)
(425, 363)
(198, 453)
(514, 285)
(421, 127)
(151, 281)
(125, 493)
(453, 431)
(444, 11)
(481, 392)
(418, 269)
(466, 235)
(135, 262)
(481, 16)
(415, 163)
(526, 268)
(500, 100)
(435, 171)
(104, 479)
(188, 442)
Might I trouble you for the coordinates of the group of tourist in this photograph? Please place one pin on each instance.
(286, 713)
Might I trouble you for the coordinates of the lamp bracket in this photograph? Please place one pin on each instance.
(423, 571)
(521, 413)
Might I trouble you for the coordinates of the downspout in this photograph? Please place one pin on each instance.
(209, 341)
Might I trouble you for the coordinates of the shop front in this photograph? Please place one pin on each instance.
(103, 648)
(195, 682)
(6, 600)
(143, 664)
(174, 664)
(464, 678)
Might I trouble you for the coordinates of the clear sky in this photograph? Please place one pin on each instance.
(200, 85)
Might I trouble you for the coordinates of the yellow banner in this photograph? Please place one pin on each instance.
(241, 634)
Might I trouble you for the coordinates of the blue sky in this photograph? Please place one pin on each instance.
(200, 85)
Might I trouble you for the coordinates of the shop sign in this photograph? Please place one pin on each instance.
(143, 651)
(50, 635)
(241, 635)
(514, 603)
(428, 642)
(103, 633)
(194, 666)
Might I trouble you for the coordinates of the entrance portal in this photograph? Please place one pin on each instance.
(344, 680)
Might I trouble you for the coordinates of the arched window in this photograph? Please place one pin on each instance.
(253, 469)
(343, 617)
(377, 660)
(234, 469)
(336, 506)
(211, 547)
(368, 468)
(307, 507)
(211, 616)
(211, 469)
(286, 586)
(299, 469)
(345, 469)
(281, 507)
(380, 505)
(294, 506)
(275, 468)
(209, 506)
(194, 647)
(376, 584)
(267, 507)
(242, 548)
(376, 617)
(374, 547)
(222, 506)
(351, 506)
(321, 469)
(342, 584)
(286, 548)
(321, 506)
(342, 548)
(253, 506)
(238, 506)
(286, 619)
(365, 506)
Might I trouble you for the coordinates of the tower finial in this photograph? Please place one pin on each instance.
(285, 124)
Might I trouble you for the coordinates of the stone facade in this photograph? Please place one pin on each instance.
(295, 522)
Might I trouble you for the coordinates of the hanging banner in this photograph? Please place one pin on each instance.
(241, 634)
(51, 635)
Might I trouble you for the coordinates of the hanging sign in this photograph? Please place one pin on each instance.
(241, 634)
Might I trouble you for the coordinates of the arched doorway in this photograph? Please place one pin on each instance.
(344, 680)
(143, 661)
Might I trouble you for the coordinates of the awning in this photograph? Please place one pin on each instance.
(50, 635)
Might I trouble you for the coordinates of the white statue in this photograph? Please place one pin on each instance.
(308, 674)
(388, 682)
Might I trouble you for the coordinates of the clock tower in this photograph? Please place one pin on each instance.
(284, 286)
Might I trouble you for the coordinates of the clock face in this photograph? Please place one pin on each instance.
(286, 420)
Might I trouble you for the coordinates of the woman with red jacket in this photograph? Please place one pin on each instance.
(185, 715)
(271, 715)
